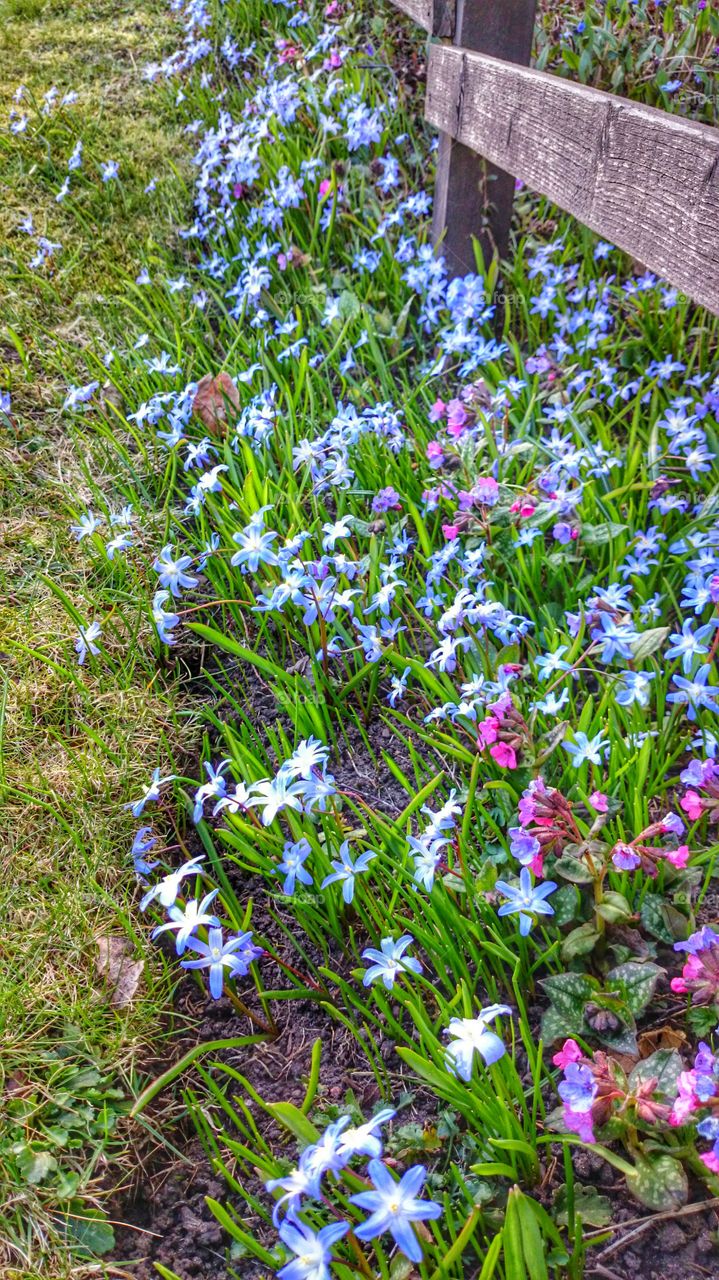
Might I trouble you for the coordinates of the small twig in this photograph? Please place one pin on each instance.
(605, 1272)
(657, 1217)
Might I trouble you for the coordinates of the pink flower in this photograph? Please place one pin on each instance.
(686, 1100)
(437, 411)
(569, 1052)
(324, 187)
(435, 453)
(679, 857)
(599, 801)
(456, 417)
(501, 707)
(504, 755)
(450, 531)
(523, 506)
(487, 731)
(580, 1122)
(692, 805)
(536, 866)
(711, 1161)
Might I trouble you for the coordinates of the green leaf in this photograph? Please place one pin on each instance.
(596, 535)
(636, 982)
(35, 1165)
(649, 642)
(575, 986)
(573, 869)
(654, 919)
(90, 1232)
(293, 1119)
(623, 1040)
(594, 1209)
(349, 305)
(213, 636)
(566, 902)
(425, 1069)
(580, 941)
(401, 1268)
(614, 907)
(557, 1026)
(659, 1182)
(532, 1239)
(665, 1066)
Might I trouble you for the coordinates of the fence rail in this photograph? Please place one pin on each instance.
(643, 178)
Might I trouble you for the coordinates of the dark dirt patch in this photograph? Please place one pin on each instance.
(682, 1246)
(167, 1218)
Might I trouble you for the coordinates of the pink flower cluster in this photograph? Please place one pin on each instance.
(546, 825)
(698, 1090)
(700, 975)
(504, 731)
(637, 853)
(701, 776)
(592, 1086)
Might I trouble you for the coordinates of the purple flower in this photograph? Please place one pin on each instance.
(625, 858)
(386, 500)
(524, 846)
(578, 1089)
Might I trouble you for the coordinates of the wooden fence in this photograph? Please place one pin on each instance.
(644, 179)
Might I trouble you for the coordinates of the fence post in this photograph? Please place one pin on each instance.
(473, 197)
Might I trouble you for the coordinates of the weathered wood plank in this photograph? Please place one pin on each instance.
(420, 11)
(473, 197)
(642, 178)
(436, 16)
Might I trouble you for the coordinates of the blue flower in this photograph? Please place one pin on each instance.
(472, 1035)
(345, 870)
(163, 621)
(584, 748)
(394, 1206)
(292, 866)
(188, 918)
(85, 642)
(255, 548)
(313, 1250)
(302, 1181)
(151, 793)
(389, 961)
(217, 955)
(695, 692)
(142, 843)
(171, 572)
(167, 889)
(523, 845)
(578, 1088)
(364, 1140)
(688, 644)
(527, 900)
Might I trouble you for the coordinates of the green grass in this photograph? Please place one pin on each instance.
(75, 746)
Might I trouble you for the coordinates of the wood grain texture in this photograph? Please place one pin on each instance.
(473, 198)
(644, 179)
(421, 11)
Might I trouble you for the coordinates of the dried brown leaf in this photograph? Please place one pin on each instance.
(121, 973)
(213, 397)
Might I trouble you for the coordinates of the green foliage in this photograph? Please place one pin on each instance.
(579, 1005)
